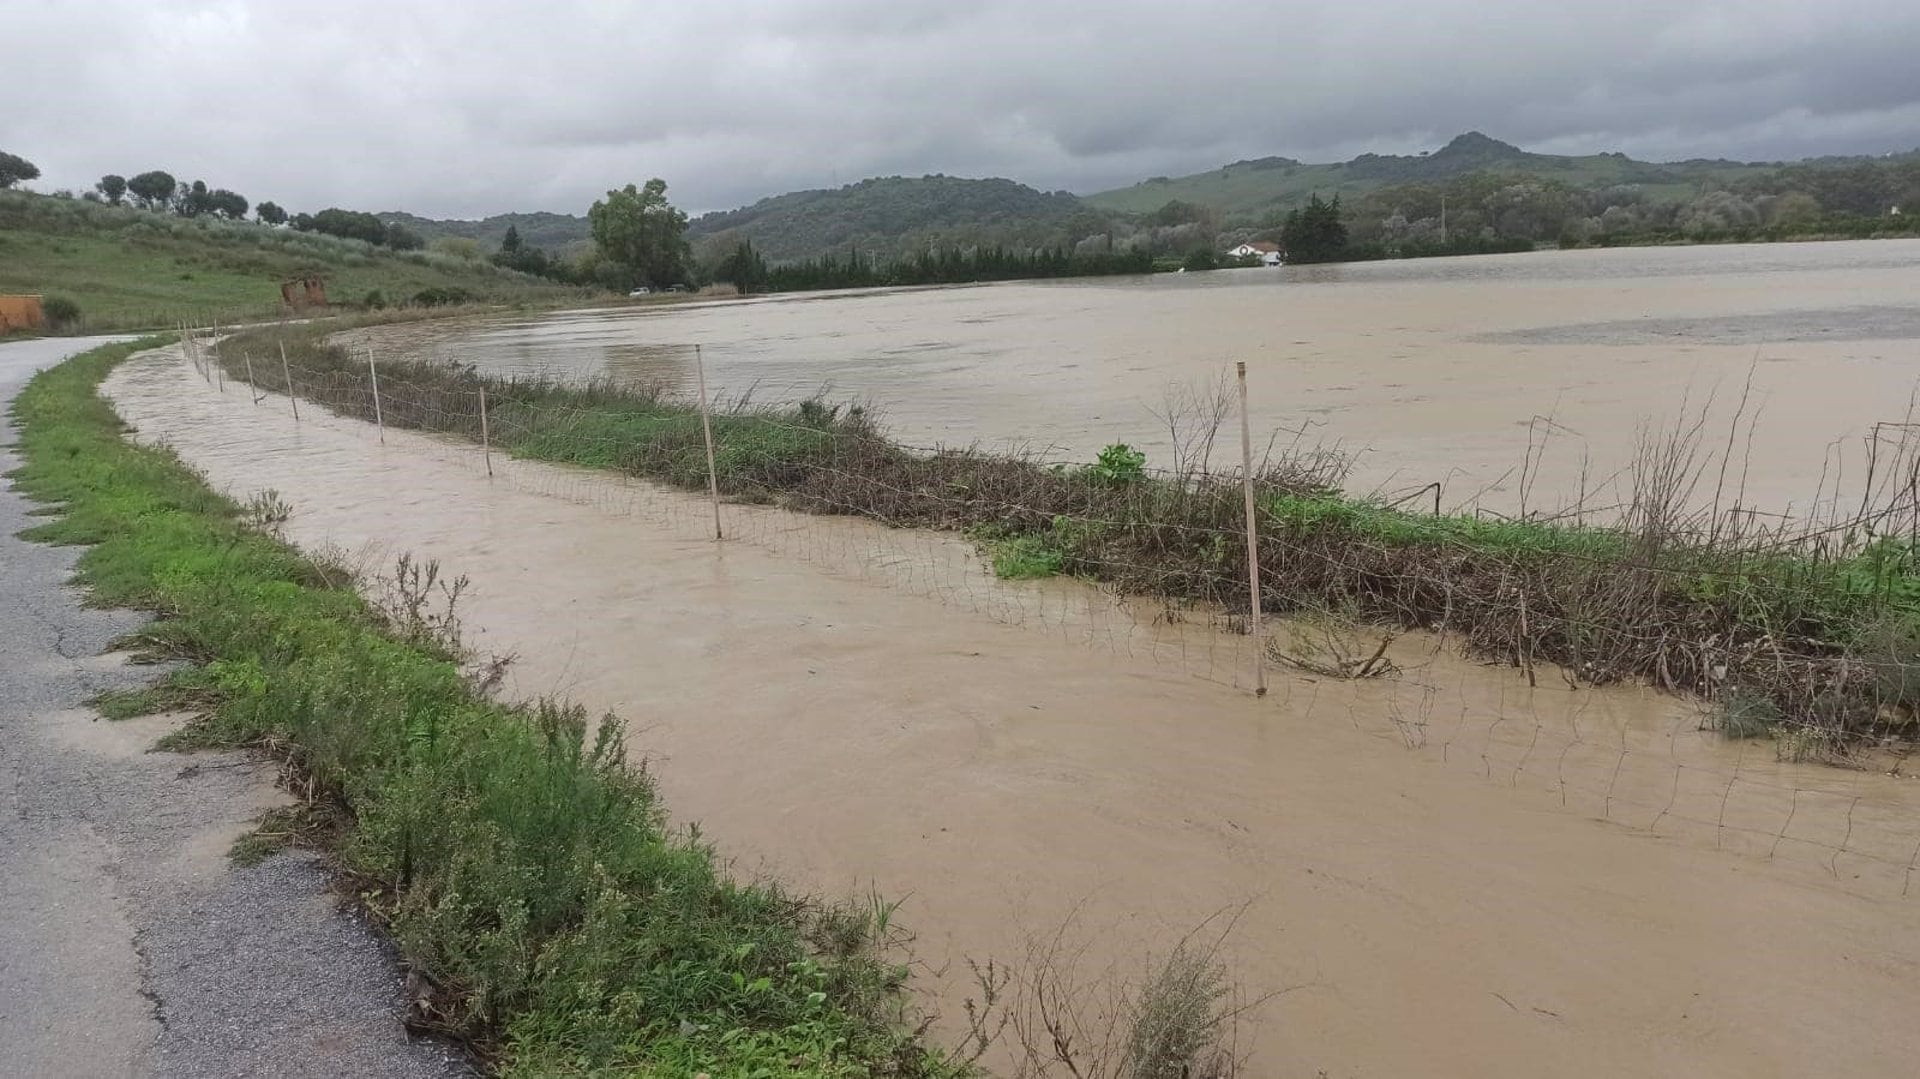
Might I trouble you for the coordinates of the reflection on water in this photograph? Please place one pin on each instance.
(668, 366)
(1438, 370)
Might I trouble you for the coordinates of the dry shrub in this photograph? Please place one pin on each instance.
(1179, 1018)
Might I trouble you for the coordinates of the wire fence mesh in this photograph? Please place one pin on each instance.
(1559, 665)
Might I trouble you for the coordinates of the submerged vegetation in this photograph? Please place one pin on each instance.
(1823, 626)
(558, 923)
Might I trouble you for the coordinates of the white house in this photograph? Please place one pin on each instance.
(1268, 253)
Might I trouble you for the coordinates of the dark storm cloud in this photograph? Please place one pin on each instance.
(482, 107)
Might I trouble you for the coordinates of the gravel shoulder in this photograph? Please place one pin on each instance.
(129, 943)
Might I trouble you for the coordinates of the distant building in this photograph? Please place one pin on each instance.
(1268, 253)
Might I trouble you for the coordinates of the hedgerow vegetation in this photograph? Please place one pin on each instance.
(1823, 626)
(524, 865)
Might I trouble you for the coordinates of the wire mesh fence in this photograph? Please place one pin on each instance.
(1556, 660)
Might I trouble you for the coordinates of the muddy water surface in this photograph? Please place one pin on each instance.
(1451, 873)
(1433, 370)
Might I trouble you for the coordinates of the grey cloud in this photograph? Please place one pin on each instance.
(484, 107)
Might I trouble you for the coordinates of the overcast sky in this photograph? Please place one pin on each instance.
(469, 108)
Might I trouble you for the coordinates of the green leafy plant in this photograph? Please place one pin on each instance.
(1120, 465)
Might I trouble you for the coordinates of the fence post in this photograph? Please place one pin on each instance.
(288, 372)
(706, 430)
(378, 419)
(253, 388)
(1253, 540)
(486, 437)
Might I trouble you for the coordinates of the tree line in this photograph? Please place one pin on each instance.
(945, 266)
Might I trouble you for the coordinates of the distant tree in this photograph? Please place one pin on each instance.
(153, 189)
(113, 187)
(270, 213)
(228, 204)
(1315, 233)
(401, 238)
(347, 224)
(510, 243)
(639, 231)
(744, 269)
(14, 169)
(193, 200)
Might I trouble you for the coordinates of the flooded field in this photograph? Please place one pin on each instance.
(1518, 382)
(1448, 872)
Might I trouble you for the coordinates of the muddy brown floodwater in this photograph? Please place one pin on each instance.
(1432, 370)
(1448, 872)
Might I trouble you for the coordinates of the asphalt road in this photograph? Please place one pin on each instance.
(129, 944)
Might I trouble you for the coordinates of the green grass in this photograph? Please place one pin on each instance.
(1026, 557)
(526, 869)
(129, 268)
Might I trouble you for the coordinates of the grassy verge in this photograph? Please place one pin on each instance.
(1819, 631)
(525, 867)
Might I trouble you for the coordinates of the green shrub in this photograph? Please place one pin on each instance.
(1026, 557)
(1119, 465)
(60, 311)
(441, 296)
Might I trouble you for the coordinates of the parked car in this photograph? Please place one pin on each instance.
(641, 291)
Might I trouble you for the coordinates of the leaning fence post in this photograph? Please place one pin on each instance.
(288, 372)
(1253, 540)
(706, 430)
(374, 373)
(253, 388)
(486, 438)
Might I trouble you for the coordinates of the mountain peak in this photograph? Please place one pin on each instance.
(1476, 145)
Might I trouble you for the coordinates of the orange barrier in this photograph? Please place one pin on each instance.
(20, 313)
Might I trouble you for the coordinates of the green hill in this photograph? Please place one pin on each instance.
(898, 215)
(1248, 191)
(128, 268)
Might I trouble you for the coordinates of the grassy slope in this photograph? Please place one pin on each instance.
(525, 868)
(1254, 187)
(131, 269)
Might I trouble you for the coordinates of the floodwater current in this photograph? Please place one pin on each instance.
(1448, 872)
(1517, 382)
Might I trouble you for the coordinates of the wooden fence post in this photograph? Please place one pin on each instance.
(288, 372)
(486, 437)
(706, 430)
(1253, 541)
(378, 419)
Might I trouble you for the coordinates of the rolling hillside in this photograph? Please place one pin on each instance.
(1247, 190)
(897, 215)
(128, 268)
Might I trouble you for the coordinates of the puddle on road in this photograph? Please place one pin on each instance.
(1456, 874)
